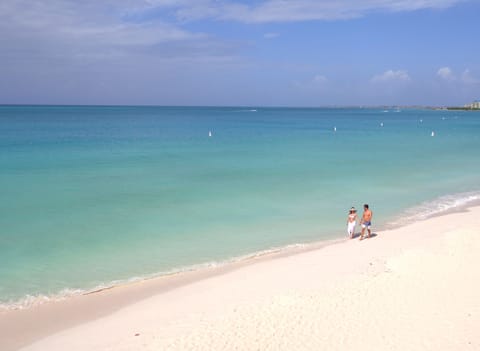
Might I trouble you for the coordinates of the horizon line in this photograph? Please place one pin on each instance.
(242, 106)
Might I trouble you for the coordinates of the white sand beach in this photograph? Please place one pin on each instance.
(412, 288)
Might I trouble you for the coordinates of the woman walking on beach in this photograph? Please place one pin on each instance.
(351, 222)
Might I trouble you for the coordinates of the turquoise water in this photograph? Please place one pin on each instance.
(93, 195)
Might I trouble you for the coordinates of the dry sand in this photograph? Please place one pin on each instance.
(413, 288)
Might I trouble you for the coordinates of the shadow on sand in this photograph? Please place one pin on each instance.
(357, 236)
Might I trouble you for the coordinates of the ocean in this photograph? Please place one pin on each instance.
(92, 196)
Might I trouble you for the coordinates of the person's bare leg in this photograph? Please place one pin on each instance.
(369, 233)
(362, 233)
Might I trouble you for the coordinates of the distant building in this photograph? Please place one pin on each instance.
(473, 105)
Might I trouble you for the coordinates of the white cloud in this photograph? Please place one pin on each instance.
(141, 21)
(89, 21)
(446, 74)
(68, 28)
(98, 29)
(298, 10)
(468, 78)
(390, 75)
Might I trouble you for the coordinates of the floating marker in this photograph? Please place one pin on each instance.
(334, 129)
(421, 121)
(433, 133)
(209, 133)
(381, 124)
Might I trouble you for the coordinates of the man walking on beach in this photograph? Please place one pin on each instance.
(366, 221)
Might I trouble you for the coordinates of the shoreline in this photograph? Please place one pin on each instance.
(24, 327)
(227, 264)
(124, 294)
(454, 203)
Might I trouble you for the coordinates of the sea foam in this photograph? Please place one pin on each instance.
(439, 206)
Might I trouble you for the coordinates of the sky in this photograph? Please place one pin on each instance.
(240, 53)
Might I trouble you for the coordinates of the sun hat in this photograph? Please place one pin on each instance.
(353, 209)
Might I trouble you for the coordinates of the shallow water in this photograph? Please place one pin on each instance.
(92, 195)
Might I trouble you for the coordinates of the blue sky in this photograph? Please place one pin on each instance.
(232, 52)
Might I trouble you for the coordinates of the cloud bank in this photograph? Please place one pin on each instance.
(108, 28)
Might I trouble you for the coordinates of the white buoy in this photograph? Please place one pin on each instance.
(334, 129)
(209, 133)
(381, 124)
(433, 133)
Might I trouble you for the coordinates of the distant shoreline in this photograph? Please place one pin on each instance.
(462, 108)
(397, 107)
